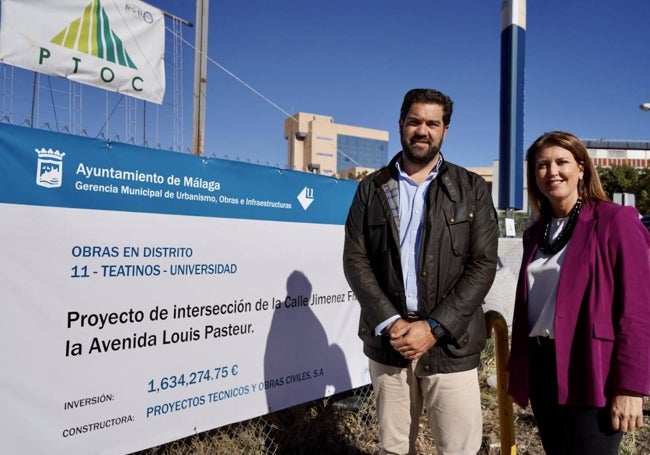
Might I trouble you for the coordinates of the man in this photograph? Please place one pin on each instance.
(420, 254)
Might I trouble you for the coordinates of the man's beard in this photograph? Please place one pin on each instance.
(420, 159)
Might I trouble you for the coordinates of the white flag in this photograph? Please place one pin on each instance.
(117, 45)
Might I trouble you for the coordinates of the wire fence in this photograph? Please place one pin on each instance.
(346, 424)
(53, 103)
(340, 424)
(343, 424)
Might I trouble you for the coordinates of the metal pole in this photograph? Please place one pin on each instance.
(495, 321)
(200, 76)
(176, 18)
(31, 117)
(144, 123)
(511, 128)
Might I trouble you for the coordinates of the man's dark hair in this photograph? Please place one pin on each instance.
(427, 96)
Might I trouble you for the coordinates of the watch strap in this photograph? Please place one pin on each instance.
(437, 330)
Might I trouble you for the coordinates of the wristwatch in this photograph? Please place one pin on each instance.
(437, 330)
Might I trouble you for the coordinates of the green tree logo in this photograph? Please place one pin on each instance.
(92, 34)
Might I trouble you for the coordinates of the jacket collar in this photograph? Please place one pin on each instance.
(390, 172)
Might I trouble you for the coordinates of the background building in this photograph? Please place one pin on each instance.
(316, 144)
(607, 153)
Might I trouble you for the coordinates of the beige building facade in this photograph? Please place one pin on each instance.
(316, 144)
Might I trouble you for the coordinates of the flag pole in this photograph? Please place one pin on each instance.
(200, 76)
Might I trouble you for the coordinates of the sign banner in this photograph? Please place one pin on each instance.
(150, 295)
(116, 45)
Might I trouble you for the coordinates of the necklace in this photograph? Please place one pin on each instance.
(563, 238)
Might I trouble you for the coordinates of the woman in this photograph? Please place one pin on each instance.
(581, 327)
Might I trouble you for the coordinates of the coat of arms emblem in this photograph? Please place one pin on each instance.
(49, 169)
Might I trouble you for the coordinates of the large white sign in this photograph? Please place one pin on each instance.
(148, 295)
(116, 45)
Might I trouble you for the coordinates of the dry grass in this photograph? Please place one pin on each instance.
(346, 425)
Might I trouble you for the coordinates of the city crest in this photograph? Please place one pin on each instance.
(49, 168)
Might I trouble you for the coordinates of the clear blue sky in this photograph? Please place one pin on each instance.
(587, 69)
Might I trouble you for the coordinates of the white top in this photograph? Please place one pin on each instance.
(513, 12)
(543, 276)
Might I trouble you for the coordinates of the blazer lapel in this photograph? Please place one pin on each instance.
(575, 272)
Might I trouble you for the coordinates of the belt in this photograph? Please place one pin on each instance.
(541, 341)
(412, 316)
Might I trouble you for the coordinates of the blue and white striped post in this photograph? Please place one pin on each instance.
(511, 125)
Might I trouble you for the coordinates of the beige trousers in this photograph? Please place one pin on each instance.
(452, 402)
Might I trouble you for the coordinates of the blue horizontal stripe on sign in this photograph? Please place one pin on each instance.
(53, 169)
